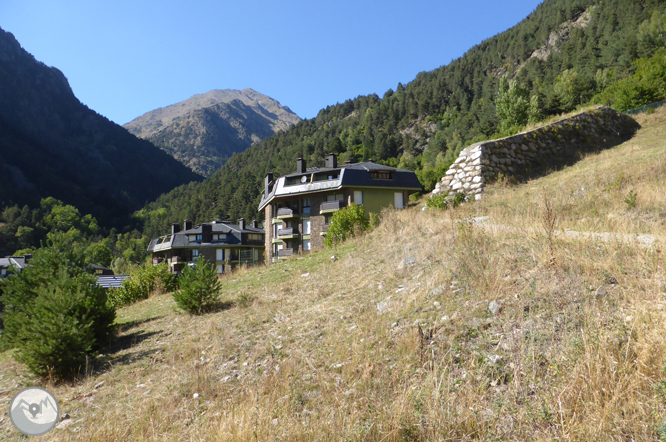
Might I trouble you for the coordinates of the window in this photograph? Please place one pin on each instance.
(306, 227)
(254, 237)
(376, 175)
(335, 197)
(199, 237)
(195, 253)
(220, 268)
(219, 254)
(358, 197)
(397, 197)
(327, 218)
(306, 244)
(306, 206)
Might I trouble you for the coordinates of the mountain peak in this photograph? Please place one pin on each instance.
(206, 129)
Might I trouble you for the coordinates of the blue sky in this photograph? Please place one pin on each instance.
(124, 58)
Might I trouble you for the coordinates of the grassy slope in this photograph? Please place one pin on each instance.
(321, 349)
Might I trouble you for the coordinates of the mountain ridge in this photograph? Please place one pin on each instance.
(51, 144)
(205, 130)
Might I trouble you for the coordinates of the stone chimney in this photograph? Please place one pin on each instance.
(254, 223)
(331, 161)
(241, 223)
(206, 233)
(187, 224)
(175, 228)
(300, 165)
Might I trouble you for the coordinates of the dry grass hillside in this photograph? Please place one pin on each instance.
(430, 328)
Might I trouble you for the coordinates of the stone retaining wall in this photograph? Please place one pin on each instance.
(535, 151)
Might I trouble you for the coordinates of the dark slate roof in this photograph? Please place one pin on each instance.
(111, 282)
(351, 175)
(222, 227)
(180, 240)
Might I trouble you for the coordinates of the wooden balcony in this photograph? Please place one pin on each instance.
(285, 253)
(331, 206)
(285, 212)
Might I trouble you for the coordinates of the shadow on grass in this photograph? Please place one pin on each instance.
(219, 306)
(129, 340)
(123, 326)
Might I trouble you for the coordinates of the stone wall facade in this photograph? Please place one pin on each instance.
(529, 153)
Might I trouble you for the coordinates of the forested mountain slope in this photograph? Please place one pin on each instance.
(564, 53)
(203, 131)
(53, 145)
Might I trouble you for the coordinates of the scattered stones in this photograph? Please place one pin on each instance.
(437, 291)
(64, 416)
(305, 275)
(408, 261)
(601, 292)
(65, 424)
(494, 359)
(195, 396)
(494, 307)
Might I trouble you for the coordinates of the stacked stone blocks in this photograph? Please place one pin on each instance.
(518, 155)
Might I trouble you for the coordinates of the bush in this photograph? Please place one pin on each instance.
(438, 201)
(199, 287)
(142, 281)
(444, 200)
(346, 223)
(55, 314)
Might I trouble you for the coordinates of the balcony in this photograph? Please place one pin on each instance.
(287, 234)
(331, 206)
(324, 229)
(284, 253)
(286, 213)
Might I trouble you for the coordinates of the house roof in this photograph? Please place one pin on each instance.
(181, 240)
(350, 175)
(112, 281)
(16, 262)
(222, 227)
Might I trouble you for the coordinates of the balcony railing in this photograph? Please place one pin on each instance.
(331, 205)
(285, 252)
(285, 212)
(285, 232)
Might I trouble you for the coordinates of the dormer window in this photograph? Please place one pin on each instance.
(380, 175)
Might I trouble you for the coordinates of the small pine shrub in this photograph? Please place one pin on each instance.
(199, 288)
(55, 314)
(630, 200)
(346, 223)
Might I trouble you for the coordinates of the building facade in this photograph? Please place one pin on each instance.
(221, 243)
(298, 207)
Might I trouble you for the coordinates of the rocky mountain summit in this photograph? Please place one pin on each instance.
(203, 131)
